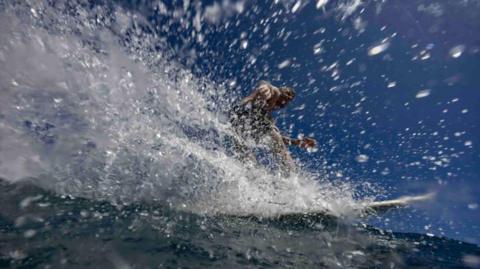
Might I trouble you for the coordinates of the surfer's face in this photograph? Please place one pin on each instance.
(286, 97)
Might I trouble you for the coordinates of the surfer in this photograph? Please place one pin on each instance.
(252, 120)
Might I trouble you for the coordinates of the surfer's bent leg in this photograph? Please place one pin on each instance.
(241, 149)
(244, 153)
(279, 148)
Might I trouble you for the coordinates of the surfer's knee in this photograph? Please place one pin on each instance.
(277, 142)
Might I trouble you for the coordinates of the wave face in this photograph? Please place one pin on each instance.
(93, 107)
(40, 229)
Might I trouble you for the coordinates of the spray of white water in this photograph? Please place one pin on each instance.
(89, 108)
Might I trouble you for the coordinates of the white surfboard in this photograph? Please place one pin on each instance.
(382, 206)
(367, 209)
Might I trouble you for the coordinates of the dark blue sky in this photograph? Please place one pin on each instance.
(413, 144)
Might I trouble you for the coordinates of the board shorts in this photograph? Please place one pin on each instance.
(251, 122)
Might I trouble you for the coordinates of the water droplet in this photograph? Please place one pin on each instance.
(17, 254)
(284, 64)
(297, 5)
(28, 200)
(385, 171)
(378, 49)
(361, 158)
(473, 206)
(29, 233)
(34, 12)
(423, 93)
(317, 50)
(425, 56)
(244, 44)
(84, 213)
(321, 3)
(457, 51)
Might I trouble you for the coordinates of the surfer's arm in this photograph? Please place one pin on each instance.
(249, 98)
(303, 143)
(289, 141)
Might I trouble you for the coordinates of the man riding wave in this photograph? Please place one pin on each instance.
(252, 119)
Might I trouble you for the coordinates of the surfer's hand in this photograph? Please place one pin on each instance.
(308, 142)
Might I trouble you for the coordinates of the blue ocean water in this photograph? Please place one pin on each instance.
(115, 148)
(69, 232)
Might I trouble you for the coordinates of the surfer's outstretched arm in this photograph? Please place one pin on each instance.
(305, 142)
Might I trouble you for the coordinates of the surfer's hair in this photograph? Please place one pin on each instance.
(288, 92)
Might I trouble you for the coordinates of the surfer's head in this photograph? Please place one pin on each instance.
(286, 96)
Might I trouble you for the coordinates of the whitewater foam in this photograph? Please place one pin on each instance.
(89, 108)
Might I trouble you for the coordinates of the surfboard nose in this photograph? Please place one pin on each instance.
(383, 206)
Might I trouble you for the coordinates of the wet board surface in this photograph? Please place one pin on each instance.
(366, 209)
(381, 206)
